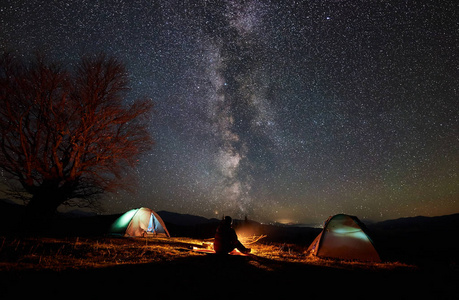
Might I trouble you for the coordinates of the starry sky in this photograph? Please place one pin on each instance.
(286, 111)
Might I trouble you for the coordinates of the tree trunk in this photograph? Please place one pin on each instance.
(40, 211)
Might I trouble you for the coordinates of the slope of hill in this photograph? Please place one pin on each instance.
(184, 219)
(418, 239)
(419, 223)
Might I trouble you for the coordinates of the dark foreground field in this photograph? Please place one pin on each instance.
(77, 259)
(169, 269)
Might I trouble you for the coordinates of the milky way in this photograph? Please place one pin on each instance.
(280, 111)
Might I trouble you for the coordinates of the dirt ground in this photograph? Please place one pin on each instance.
(171, 270)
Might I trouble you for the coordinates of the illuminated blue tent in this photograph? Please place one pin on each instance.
(139, 222)
(344, 238)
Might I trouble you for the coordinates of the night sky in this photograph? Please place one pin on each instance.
(285, 111)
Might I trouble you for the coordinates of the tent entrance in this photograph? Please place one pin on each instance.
(151, 225)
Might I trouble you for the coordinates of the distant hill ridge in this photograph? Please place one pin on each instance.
(9, 209)
(184, 219)
(420, 223)
(407, 223)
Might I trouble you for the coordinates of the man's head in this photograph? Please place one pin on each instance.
(228, 221)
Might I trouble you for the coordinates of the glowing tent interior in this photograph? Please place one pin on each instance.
(139, 222)
(343, 237)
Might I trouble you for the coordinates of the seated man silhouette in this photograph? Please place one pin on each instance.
(226, 238)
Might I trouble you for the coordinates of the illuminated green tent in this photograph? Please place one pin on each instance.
(343, 237)
(139, 222)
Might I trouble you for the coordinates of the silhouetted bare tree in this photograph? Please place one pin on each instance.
(69, 136)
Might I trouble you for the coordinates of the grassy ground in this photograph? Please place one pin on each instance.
(85, 253)
(169, 268)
